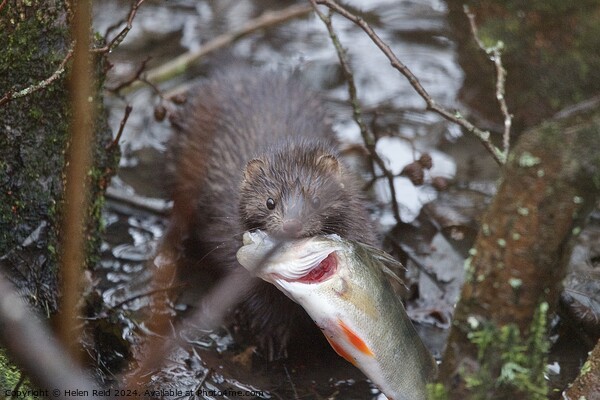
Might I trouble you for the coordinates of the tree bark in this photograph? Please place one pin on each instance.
(34, 138)
(587, 384)
(514, 277)
(35, 115)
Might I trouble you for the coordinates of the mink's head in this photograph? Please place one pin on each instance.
(295, 191)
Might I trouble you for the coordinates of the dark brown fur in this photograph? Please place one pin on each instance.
(256, 152)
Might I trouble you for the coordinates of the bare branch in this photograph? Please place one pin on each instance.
(121, 35)
(455, 117)
(155, 206)
(117, 138)
(367, 135)
(148, 293)
(495, 54)
(136, 76)
(11, 94)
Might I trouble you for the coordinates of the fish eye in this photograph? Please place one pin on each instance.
(270, 203)
(315, 202)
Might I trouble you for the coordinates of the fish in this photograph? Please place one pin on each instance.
(343, 285)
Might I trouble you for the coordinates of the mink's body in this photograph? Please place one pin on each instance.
(255, 151)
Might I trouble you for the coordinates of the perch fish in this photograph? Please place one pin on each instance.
(343, 286)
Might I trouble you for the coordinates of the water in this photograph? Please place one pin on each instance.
(418, 32)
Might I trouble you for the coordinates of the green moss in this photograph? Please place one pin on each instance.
(32, 136)
(436, 391)
(510, 362)
(11, 378)
(587, 367)
(528, 160)
(36, 113)
(485, 228)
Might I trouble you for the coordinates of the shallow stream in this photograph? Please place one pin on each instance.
(435, 237)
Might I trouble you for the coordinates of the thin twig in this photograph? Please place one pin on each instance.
(121, 35)
(136, 76)
(455, 117)
(12, 94)
(367, 135)
(495, 53)
(208, 373)
(117, 138)
(3, 4)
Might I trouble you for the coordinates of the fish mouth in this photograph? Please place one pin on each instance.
(318, 273)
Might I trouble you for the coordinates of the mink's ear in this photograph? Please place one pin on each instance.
(329, 164)
(254, 168)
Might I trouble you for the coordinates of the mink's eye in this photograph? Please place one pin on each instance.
(270, 203)
(315, 202)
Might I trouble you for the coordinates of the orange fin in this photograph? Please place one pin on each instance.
(338, 349)
(356, 341)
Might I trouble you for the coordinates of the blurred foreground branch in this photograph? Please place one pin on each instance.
(76, 187)
(33, 347)
(208, 315)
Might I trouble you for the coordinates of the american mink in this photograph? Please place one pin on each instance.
(256, 151)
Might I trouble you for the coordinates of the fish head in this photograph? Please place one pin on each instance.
(296, 267)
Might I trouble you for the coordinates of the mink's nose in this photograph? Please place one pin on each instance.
(292, 227)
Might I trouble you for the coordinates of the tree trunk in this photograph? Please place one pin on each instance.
(34, 130)
(587, 384)
(34, 137)
(514, 277)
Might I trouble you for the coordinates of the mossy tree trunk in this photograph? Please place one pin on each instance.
(497, 342)
(34, 137)
(35, 39)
